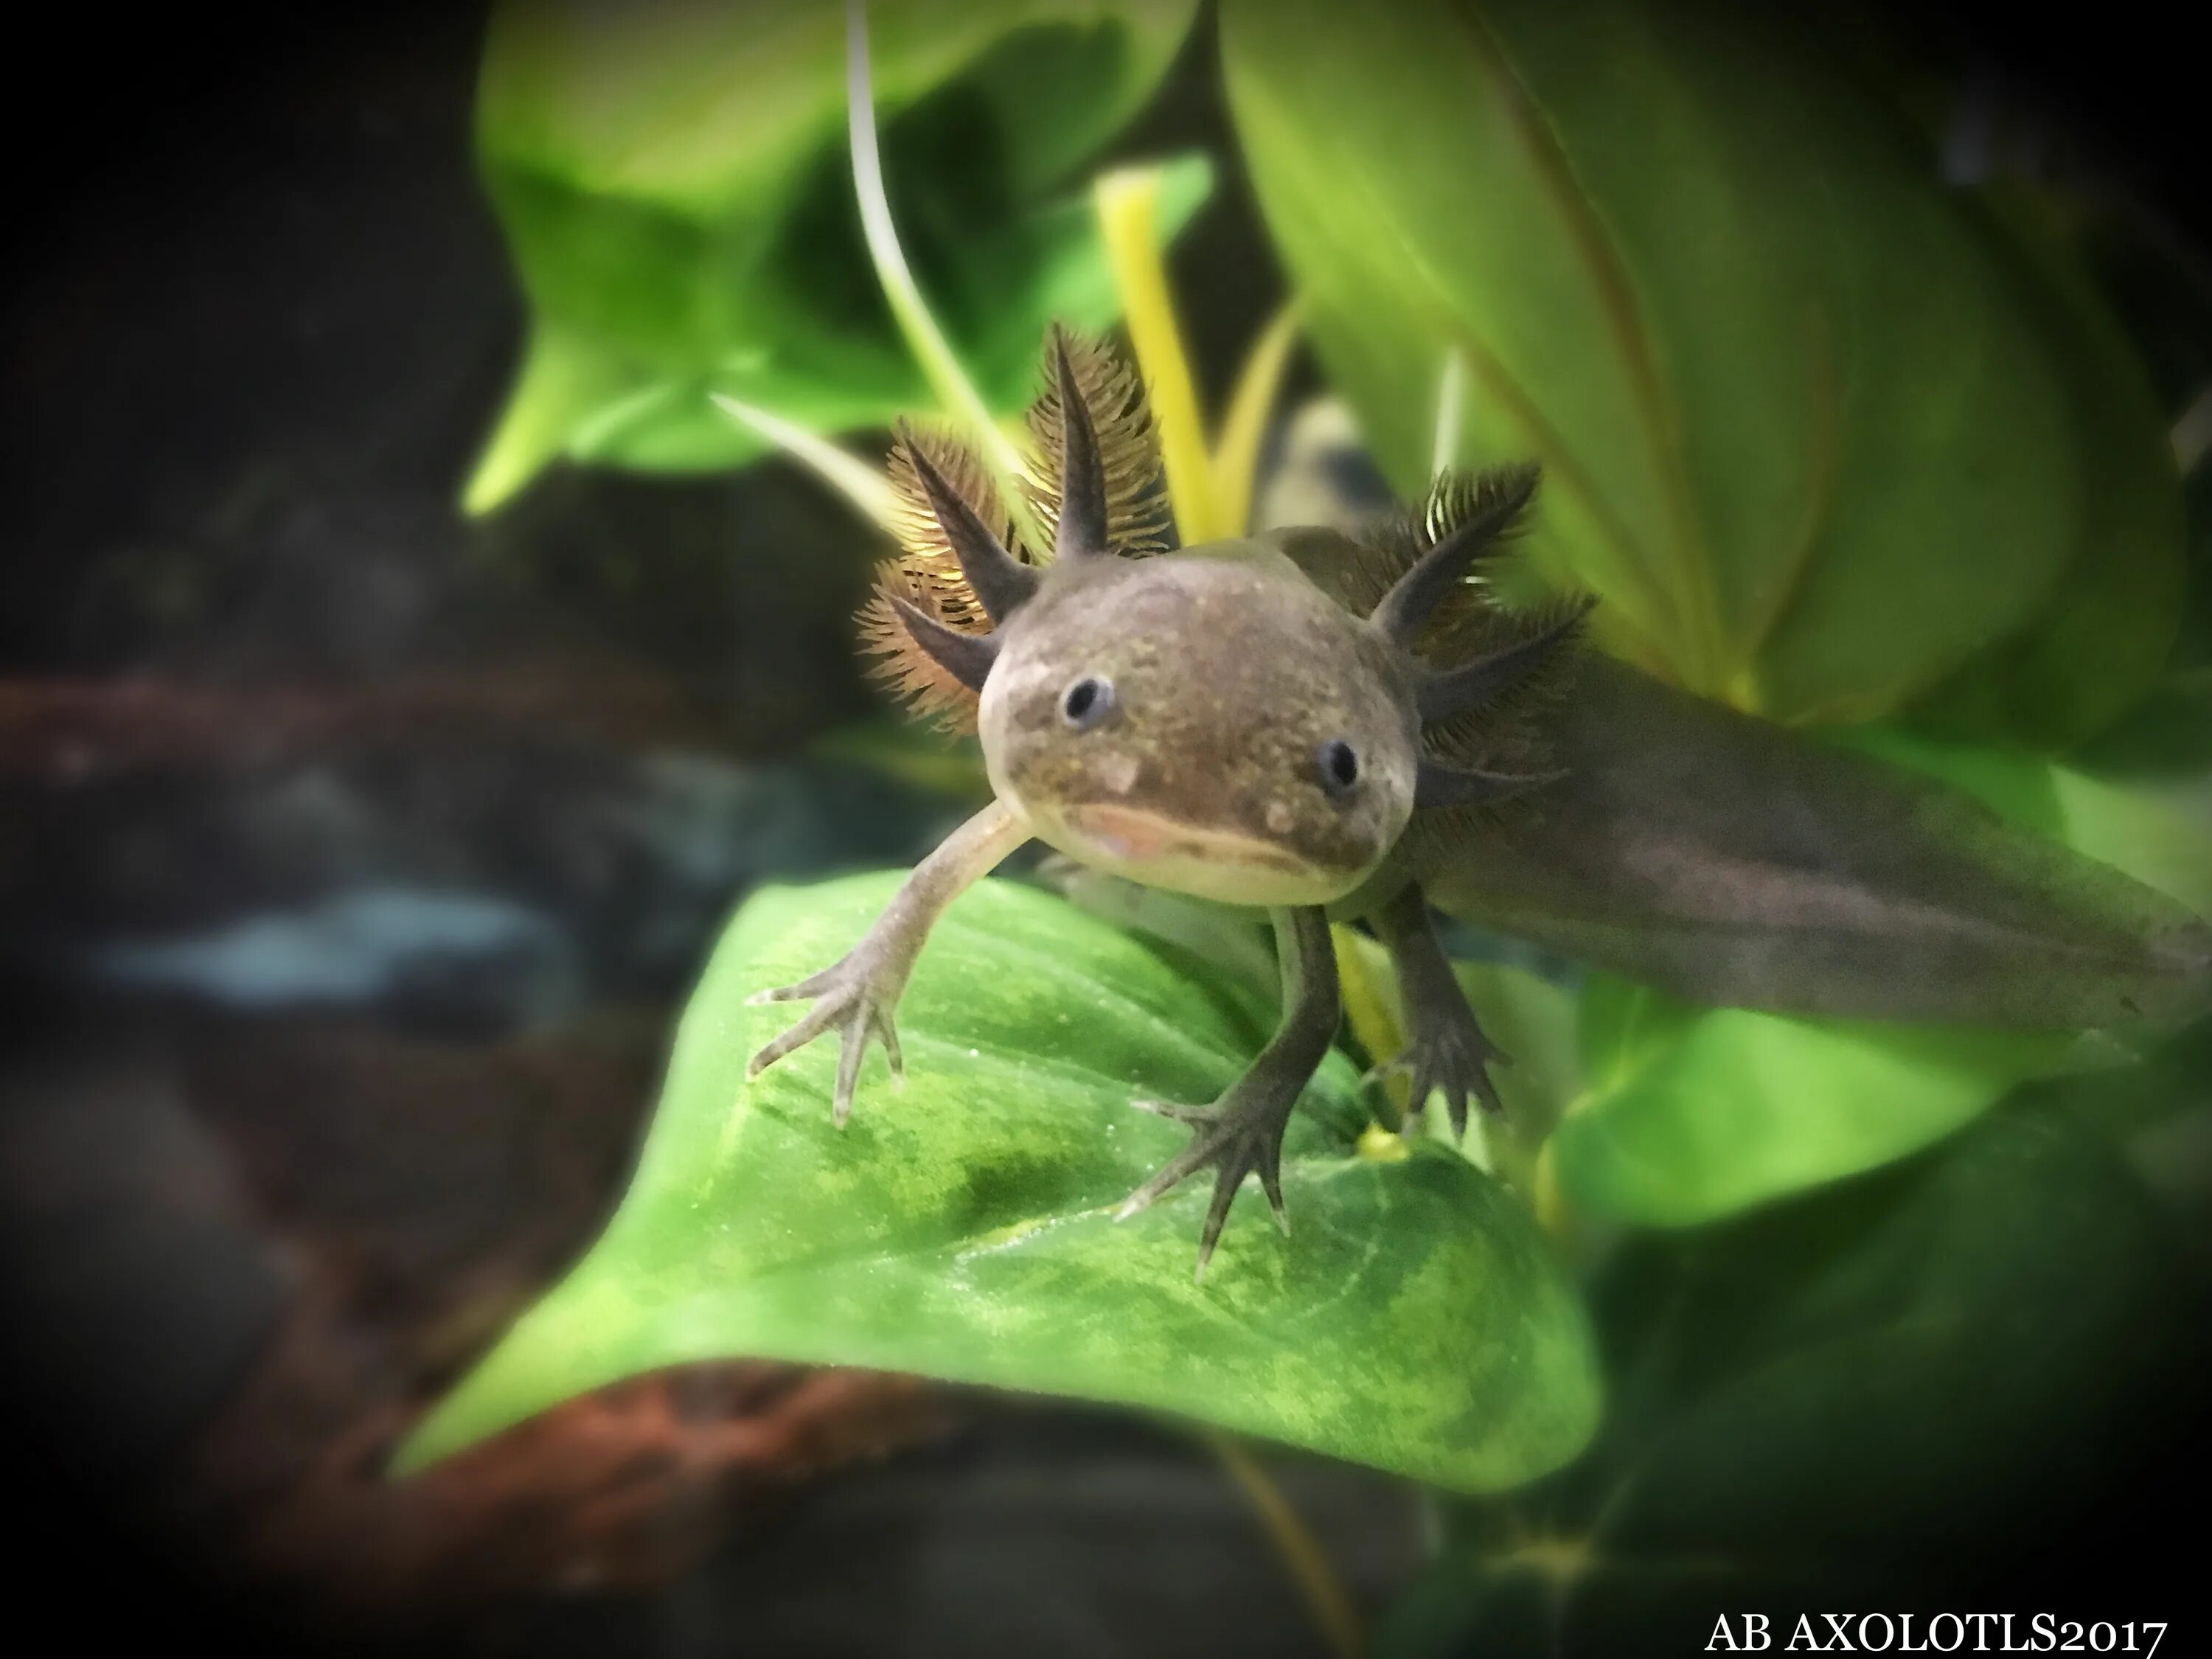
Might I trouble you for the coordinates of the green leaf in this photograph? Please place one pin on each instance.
(1899, 1338)
(1788, 391)
(2166, 738)
(673, 182)
(1915, 1372)
(1692, 1113)
(2103, 635)
(1415, 1319)
(563, 383)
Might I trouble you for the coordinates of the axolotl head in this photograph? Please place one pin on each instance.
(1210, 722)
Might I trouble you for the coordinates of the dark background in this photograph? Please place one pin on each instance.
(257, 321)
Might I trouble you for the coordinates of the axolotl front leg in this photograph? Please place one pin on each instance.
(1242, 1132)
(860, 994)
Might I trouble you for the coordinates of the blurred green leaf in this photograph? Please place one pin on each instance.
(1807, 428)
(2103, 636)
(1913, 1372)
(1692, 1112)
(673, 182)
(1415, 1319)
(2166, 738)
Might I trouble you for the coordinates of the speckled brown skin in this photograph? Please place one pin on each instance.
(1229, 672)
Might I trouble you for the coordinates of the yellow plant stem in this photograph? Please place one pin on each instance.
(1127, 201)
(1245, 428)
(1553, 1212)
(1374, 1021)
(1317, 1581)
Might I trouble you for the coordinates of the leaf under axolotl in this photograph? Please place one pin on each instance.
(1414, 1318)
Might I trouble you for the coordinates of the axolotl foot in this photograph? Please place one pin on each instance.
(1446, 1052)
(1242, 1135)
(860, 994)
(1448, 1055)
(1242, 1132)
(858, 997)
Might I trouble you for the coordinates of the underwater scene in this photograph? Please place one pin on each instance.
(1109, 827)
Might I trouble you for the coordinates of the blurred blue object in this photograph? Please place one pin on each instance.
(362, 946)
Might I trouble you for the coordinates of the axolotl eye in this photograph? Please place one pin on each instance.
(1087, 702)
(1338, 763)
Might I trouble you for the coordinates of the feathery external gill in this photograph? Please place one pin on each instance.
(1081, 530)
(927, 574)
(1465, 517)
(944, 499)
(1136, 506)
(1488, 673)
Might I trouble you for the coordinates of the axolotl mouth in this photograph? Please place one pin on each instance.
(1223, 865)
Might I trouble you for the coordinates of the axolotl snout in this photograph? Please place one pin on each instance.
(1264, 722)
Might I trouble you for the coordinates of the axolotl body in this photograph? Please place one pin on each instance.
(1230, 721)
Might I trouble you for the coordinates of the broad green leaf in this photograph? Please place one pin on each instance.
(1786, 424)
(1236, 942)
(1414, 1318)
(1727, 860)
(673, 182)
(2166, 738)
(2162, 838)
(2104, 633)
(1913, 1373)
(1692, 1112)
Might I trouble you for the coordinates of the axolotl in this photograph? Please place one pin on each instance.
(1280, 721)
